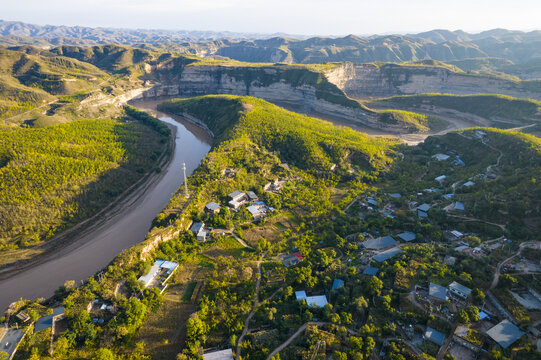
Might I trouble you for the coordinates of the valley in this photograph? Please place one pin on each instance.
(357, 209)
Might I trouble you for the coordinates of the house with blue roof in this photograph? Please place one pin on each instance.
(337, 284)
(370, 270)
(407, 236)
(383, 242)
(386, 255)
(435, 336)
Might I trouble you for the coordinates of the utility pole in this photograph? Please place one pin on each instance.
(185, 181)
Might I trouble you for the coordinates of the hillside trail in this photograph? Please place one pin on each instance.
(496, 278)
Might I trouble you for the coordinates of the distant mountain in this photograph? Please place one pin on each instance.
(78, 35)
(443, 45)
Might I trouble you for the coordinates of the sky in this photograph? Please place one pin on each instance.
(307, 17)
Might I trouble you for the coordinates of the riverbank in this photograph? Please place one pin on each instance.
(93, 245)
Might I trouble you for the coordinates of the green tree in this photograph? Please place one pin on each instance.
(104, 354)
(374, 286)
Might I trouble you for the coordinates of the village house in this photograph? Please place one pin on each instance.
(437, 292)
(452, 235)
(251, 195)
(459, 290)
(422, 211)
(505, 333)
(317, 301)
(226, 354)
(380, 243)
(407, 236)
(435, 336)
(212, 208)
(292, 259)
(238, 198)
(200, 231)
(386, 255)
(159, 274)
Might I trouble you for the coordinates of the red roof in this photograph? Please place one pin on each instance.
(299, 256)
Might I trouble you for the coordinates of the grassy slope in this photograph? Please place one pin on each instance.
(306, 142)
(486, 106)
(31, 80)
(56, 176)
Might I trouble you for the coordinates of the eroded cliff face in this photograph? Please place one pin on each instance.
(368, 80)
(268, 84)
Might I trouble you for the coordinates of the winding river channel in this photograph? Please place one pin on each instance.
(125, 228)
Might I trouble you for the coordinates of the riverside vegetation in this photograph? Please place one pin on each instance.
(317, 214)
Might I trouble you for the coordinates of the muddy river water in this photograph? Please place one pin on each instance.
(94, 250)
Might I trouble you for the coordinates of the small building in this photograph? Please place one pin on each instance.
(160, 272)
(440, 157)
(23, 317)
(458, 206)
(226, 354)
(452, 235)
(238, 198)
(424, 207)
(449, 260)
(435, 336)
(370, 270)
(212, 208)
(459, 290)
(47, 321)
(312, 301)
(407, 236)
(395, 195)
(383, 242)
(251, 195)
(256, 211)
(292, 259)
(437, 292)
(469, 183)
(199, 230)
(441, 178)
(372, 202)
(337, 284)
(461, 248)
(505, 333)
(386, 255)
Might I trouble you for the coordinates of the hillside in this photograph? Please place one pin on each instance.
(497, 107)
(55, 177)
(237, 278)
(297, 139)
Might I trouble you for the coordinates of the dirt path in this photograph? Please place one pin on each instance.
(254, 307)
(496, 278)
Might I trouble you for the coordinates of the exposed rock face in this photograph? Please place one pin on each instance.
(205, 80)
(369, 80)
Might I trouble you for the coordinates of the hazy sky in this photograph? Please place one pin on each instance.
(322, 17)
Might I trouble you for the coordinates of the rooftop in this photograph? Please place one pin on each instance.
(424, 207)
(212, 206)
(337, 284)
(387, 254)
(370, 270)
(469, 183)
(47, 321)
(505, 333)
(316, 301)
(459, 205)
(196, 227)
(396, 195)
(438, 291)
(226, 354)
(440, 157)
(407, 236)
(454, 286)
(434, 336)
(379, 243)
(236, 194)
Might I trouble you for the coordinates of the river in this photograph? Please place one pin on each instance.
(93, 251)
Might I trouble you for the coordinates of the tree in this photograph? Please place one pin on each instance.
(4, 355)
(104, 354)
(478, 296)
(507, 281)
(196, 329)
(374, 286)
(462, 316)
(361, 304)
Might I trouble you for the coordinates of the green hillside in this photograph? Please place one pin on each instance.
(486, 106)
(54, 177)
(306, 142)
